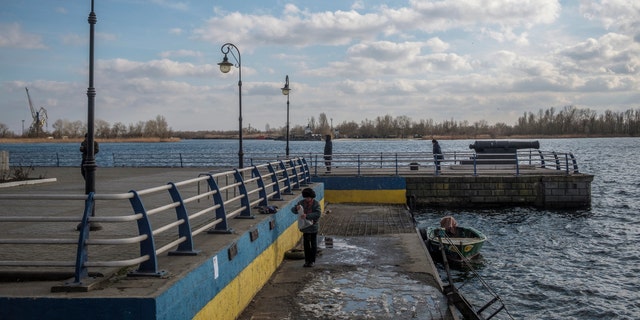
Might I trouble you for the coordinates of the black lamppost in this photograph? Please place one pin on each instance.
(285, 91)
(90, 163)
(225, 67)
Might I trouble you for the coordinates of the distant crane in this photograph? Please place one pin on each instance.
(39, 118)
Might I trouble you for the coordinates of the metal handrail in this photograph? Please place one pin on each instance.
(243, 189)
(385, 161)
(456, 162)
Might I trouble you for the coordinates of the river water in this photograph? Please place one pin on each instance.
(580, 264)
(544, 264)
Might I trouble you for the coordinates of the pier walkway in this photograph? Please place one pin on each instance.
(372, 265)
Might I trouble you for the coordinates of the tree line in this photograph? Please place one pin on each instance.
(63, 128)
(550, 122)
(569, 120)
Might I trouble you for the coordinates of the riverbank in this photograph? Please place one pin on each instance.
(79, 140)
(263, 137)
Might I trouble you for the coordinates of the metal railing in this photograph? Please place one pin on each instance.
(358, 164)
(450, 163)
(139, 225)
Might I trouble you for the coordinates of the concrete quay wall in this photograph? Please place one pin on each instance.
(542, 191)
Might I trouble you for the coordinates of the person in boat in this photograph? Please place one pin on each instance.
(450, 225)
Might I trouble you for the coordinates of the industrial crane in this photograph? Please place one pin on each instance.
(39, 118)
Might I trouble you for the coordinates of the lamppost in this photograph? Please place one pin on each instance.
(225, 67)
(90, 162)
(285, 91)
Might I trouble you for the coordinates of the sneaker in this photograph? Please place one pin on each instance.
(308, 265)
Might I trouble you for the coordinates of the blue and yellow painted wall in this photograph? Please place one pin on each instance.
(256, 261)
(384, 190)
(218, 287)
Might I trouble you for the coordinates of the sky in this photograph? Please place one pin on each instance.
(461, 60)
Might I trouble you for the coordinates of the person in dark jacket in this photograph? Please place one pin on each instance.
(437, 153)
(328, 150)
(309, 208)
(85, 153)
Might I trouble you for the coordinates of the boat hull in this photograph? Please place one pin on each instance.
(457, 249)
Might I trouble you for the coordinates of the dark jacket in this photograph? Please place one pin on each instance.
(313, 213)
(85, 150)
(328, 147)
(437, 151)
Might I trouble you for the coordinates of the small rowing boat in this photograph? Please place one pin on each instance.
(459, 242)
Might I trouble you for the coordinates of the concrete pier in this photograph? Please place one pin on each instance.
(376, 267)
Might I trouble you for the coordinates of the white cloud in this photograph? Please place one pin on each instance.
(12, 36)
(437, 45)
(296, 28)
(612, 52)
(155, 68)
(177, 5)
(433, 16)
(621, 15)
(74, 39)
(181, 53)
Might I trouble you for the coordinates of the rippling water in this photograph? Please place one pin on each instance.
(544, 264)
(567, 264)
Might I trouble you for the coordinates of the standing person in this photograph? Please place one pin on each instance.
(85, 153)
(437, 153)
(328, 150)
(309, 209)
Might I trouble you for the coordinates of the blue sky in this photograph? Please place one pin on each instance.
(468, 60)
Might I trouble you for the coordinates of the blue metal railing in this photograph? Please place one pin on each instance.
(228, 195)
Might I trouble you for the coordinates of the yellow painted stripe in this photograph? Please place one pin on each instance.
(235, 297)
(366, 196)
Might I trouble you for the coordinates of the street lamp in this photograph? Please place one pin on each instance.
(285, 91)
(225, 67)
(90, 163)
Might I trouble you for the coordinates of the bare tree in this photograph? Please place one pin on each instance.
(4, 131)
(118, 130)
(102, 129)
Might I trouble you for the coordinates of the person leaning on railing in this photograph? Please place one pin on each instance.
(85, 152)
(328, 150)
(437, 153)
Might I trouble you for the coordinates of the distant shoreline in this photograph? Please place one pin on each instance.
(79, 140)
(261, 137)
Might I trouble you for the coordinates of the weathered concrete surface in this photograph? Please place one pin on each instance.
(377, 268)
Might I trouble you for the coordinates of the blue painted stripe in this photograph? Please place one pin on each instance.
(362, 183)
